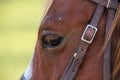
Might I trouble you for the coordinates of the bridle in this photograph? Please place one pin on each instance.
(88, 36)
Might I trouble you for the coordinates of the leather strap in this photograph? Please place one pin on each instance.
(106, 57)
(109, 34)
(107, 3)
(77, 59)
(88, 35)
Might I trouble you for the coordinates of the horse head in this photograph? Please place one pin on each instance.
(59, 37)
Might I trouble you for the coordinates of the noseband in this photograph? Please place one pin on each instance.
(88, 36)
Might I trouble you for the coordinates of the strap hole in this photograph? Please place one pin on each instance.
(82, 49)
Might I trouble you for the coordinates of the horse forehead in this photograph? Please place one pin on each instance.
(67, 9)
(64, 14)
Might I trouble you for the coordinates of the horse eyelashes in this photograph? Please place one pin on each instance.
(51, 41)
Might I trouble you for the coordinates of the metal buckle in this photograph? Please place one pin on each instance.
(95, 30)
(108, 3)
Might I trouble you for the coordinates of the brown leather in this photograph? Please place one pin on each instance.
(106, 59)
(77, 59)
(109, 34)
(106, 64)
(97, 16)
(75, 62)
(112, 3)
(89, 34)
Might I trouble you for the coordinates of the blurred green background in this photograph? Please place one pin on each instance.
(19, 22)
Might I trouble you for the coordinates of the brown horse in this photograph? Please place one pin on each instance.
(59, 36)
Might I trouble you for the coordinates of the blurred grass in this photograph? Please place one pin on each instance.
(19, 22)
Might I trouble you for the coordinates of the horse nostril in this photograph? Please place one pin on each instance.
(51, 41)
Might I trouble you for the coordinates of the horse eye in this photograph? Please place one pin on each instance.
(51, 41)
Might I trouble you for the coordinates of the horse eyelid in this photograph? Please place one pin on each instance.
(51, 41)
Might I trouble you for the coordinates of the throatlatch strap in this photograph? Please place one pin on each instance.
(107, 3)
(106, 57)
(106, 63)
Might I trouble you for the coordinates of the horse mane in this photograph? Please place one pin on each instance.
(115, 53)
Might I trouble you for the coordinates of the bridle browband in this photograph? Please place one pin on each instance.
(88, 36)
